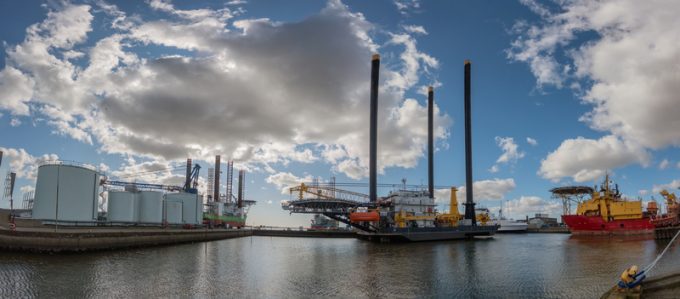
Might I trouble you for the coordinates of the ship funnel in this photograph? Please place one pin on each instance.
(216, 191)
(373, 152)
(469, 202)
(430, 141)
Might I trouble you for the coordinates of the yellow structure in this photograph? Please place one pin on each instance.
(402, 218)
(483, 218)
(453, 216)
(609, 205)
(670, 197)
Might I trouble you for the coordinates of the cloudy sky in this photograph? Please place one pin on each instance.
(562, 92)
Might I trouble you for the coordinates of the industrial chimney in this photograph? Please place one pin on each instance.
(469, 203)
(216, 192)
(373, 152)
(430, 141)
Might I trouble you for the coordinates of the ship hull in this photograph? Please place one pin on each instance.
(595, 225)
(428, 234)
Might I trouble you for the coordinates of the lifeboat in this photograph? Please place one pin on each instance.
(364, 216)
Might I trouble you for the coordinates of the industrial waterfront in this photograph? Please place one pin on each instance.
(505, 266)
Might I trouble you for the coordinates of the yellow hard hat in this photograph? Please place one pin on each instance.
(633, 270)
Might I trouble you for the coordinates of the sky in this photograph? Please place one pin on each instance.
(563, 92)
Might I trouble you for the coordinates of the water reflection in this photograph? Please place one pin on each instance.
(531, 265)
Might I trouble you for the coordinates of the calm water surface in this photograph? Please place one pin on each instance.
(506, 266)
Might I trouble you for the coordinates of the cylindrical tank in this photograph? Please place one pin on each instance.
(173, 212)
(66, 193)
(122, 206)
(150, 207)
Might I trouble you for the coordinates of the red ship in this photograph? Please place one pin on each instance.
(605, 213)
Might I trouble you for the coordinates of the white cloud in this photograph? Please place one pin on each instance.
(494, 169)
(627, 71)
(285, 180)
(171, 107)
(664, 164)
(588, 159)
(510, 153)
(16, 91)
(494, 189)
(530, 205)
(24, 164)
(407, 6)
(26, 188)
(415, 29)
(532, 141)
(15, 122)
(510, 149)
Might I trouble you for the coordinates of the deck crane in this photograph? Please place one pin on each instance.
(191, 183)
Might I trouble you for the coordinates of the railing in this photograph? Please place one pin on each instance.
(68, 163)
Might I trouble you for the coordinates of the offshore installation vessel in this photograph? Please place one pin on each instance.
(402, 215)
(606, 212)
(229, 209)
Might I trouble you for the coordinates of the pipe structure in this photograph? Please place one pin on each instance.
(373, 151)
(187, 180)
(469, 203)
(230, 180)
(216, 191)
(430, 141)
(241, 175)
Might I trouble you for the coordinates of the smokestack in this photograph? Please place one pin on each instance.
(430, 141)
(469, 203)
(187, 181)
(216, 192)
(373, 152)
(241, 177)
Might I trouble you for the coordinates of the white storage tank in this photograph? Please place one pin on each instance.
(122, 206)
(66, 193)
(173, 212)
(150, 207)
(192, 206)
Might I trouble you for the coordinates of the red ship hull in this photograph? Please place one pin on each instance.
(595, 225)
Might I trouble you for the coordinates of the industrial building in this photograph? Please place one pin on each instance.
(541, 221)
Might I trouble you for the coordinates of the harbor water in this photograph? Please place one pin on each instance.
(506, 266)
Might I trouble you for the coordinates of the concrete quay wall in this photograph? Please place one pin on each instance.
(88, 239)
